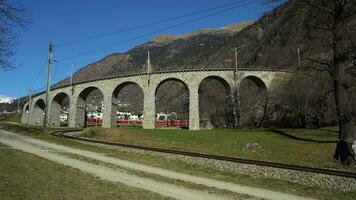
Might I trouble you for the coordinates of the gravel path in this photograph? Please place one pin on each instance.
(40, 148)
(311, 179)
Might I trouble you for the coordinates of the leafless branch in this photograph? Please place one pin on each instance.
(319, 7)
(11, 15)
(320, 62)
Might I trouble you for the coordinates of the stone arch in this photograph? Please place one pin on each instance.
(37, 115)
(171, 79)
(25, 113)
(135, 107)
(223, 81)
(82, 106)
(258, 81)
(252, 96)
(167, 103)
(59, 105)
(215, 103)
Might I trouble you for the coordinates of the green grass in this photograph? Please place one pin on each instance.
(291, 147)
(180, 166)
(14, 118)
(24, 176)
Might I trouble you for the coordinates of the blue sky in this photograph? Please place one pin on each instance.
(67, 20)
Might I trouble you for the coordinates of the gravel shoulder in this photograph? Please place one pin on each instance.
(310, 179)
(41, 148)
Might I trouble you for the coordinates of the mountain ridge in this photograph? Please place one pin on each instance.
(271, 43)
(121, 63)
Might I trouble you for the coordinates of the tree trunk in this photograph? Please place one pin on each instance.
(344, 151)
(236, 107)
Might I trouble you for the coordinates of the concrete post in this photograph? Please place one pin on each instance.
(194, 108)
(149, 107)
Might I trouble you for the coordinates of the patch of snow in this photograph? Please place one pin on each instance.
(6, 99)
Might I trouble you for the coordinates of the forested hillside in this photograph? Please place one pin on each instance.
(272, 42)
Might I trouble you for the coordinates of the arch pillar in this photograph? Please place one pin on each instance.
(149, 107)
(108, 113)
(80, 111)
(54, 120)
(72, 122)
(25, 112)
(37, 117)
(194, 107)
(113, 113)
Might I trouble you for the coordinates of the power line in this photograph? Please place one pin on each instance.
(146, 25)
(55, 66)
(39, 72)
(158, 31)
(38, 90)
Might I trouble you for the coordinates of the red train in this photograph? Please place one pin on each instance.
(122, 122)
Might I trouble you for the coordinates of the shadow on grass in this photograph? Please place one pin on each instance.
(298, 138)
(331, 132)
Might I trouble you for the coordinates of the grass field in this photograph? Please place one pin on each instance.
(11, 185)
(307, 147)
(24, 176)
(14, 118)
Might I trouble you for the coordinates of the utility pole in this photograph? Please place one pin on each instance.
(235, 59)
(46, 119)
(18, 105)
(235, 99)
(148, 67)
(29, 107)
(299, 61)
(71, 79)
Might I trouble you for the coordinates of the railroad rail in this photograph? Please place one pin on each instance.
(62, 134)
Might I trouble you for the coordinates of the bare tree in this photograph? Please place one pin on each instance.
(332, 26)
(11, 16)
(235, 98)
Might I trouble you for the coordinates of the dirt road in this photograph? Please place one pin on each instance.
(118, 170)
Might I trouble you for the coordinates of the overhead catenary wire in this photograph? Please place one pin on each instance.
(39, 73)
(54, 74)
(38, 90)
(148, 24)
(159, 30)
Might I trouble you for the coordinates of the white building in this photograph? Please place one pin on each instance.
(63, 117)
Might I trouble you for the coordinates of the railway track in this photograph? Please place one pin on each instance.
(62, 134)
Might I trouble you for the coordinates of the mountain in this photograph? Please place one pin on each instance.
(6, 99)
(166, 51)
(270, 42)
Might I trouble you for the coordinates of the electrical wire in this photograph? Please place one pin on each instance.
(158, 31)
(55, 66)
(39, 73)
(147, 25)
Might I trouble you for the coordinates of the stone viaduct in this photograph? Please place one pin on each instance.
(110, 86)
